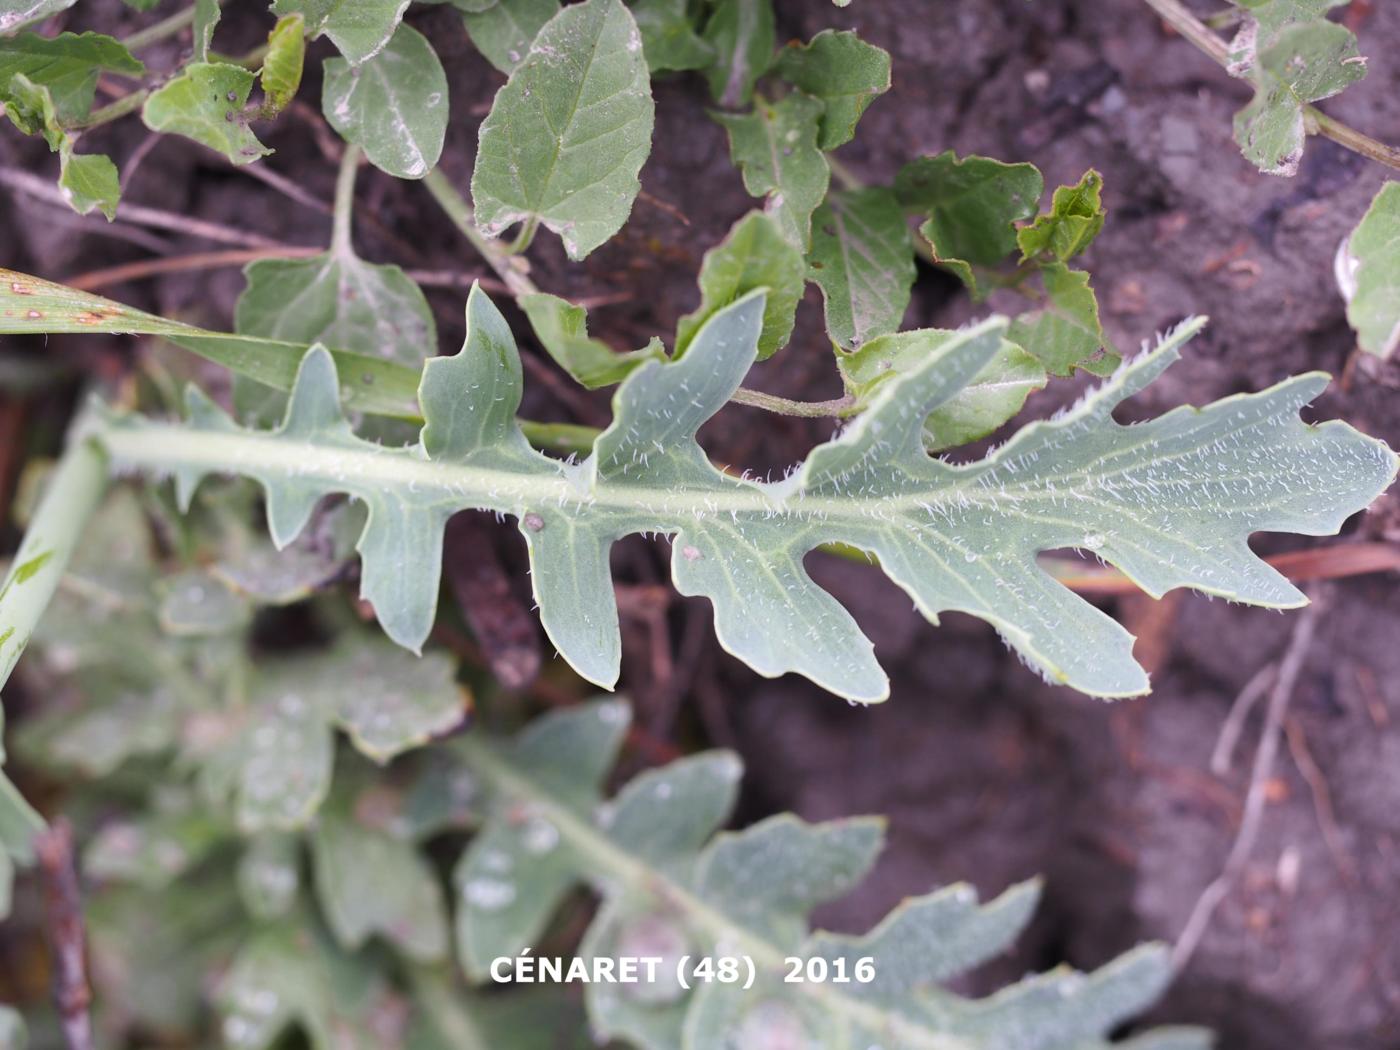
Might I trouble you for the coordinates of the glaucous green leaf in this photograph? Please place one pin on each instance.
(669, 890)
(1302, 63)
(369, 883)
(393, 106)
(280, 76)
(269, 874)
(562, 329)
(669, 37)
(196, 604)
(570, 130)
(1273, 15)
(993, 396)
(339, 299)
(17, 13)
(359, 28)
(268, 576)
(742, 34)
(503, 31)
(119, 720)
(754, 255)
(385, 699)
(152, 851)
(1065, 333)
(67, 64)
(288, 975)
(207, 102)
(1075, 218)
(842, 70)
(775, 147)
(863, 261)
(1169, 502)
(972, 207)
(1368, 271)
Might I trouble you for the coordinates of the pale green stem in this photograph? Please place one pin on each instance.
(166, 27)
(434, 992)
(1180, 18)
(345, 201)
(497, 257)
(128, 103)
(68, 502)
(631, 877)
(837, 408)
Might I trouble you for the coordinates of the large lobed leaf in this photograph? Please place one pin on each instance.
(1170, 502)
(569, 132)
(671, 887)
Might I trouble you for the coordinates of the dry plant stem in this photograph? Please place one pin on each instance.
(1289, 668)
(33, 186)
(1254, 689)
(1321, 796)
(54, 849)
(1180, 18)
(508, 267)
(134, 271)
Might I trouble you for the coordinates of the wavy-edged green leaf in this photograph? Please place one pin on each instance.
(742, 34)
(17, 13)
(67, 64)
(281, 71)
(359, 28)
(1065, 332)
(369, 883)
(207, 102)
(1368, 267)
(863, 261)
(89, 182)
(993, 395)
(269, 874)
(569, 132)
(775, 147)
(669, 37)
(753, 255)
(31, 305)
(1170, 502)
(1300, 64)
(504, 30)
(338, 299)
(562, 329)
(153, 851)
(394, 105)
(842, 70)
(1075, 218)
(669, 889)
(972, 206)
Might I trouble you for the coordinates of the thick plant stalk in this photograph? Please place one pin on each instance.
(70, 500)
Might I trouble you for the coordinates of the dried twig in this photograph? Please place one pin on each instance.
(1255, 688)
(72, 996)
(1321, 796)
(1289, 668)
(140, 215)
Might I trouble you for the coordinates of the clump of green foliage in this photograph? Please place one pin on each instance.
(274, 828)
